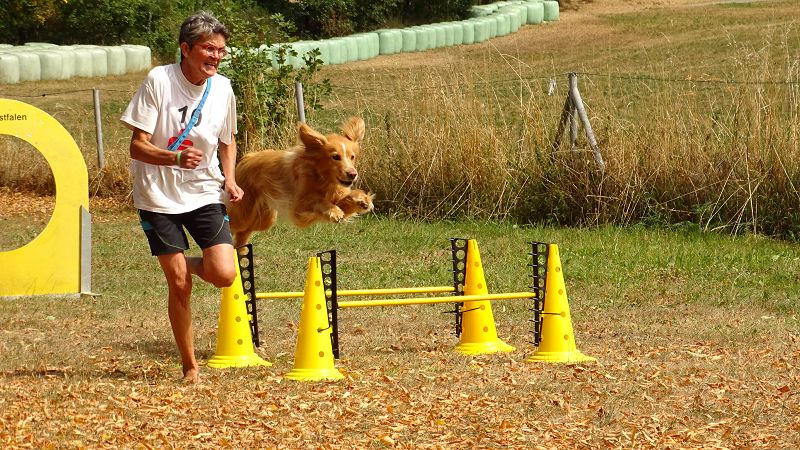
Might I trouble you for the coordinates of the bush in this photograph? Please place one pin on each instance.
(430, 11)
(104, 22)
(27, 20)
(317, 19)
(265, 89)
(154, 23)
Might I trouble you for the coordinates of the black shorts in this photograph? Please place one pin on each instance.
(208, 225)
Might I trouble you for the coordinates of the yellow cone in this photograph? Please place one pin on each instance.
(313, 355)
(478, 333)
(558, 339)
(234, 340)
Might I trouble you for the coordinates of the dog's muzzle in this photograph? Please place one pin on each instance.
(351, 178)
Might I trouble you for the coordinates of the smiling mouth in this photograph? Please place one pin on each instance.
(346, 183)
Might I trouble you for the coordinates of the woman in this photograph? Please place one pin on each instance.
(183, 119)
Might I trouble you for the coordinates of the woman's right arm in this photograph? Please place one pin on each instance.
(143, 150)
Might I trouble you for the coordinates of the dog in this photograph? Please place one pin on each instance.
(311, 182)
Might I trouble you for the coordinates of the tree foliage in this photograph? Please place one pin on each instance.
(326, 18)
(264, 83)
(28, 20)
(155, 23)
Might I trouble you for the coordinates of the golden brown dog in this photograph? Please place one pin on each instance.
(310, 182)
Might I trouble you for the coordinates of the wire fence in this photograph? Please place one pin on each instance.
(71, 112)
(58, 93)
(622, 77)
(488, 82)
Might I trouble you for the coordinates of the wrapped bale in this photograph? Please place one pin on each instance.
(52, 65)
(535, 12)
(116, 60)
(9, 68)
(550, 10)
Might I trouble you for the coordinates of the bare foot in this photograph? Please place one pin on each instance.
(191, 376)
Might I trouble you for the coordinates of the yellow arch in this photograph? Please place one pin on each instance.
(51, 263)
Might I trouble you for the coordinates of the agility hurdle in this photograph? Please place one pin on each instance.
(464, 291)
(318, 340)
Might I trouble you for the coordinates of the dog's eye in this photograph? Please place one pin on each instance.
(336, 157)
(353, 157)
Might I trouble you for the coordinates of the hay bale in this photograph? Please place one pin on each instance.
(116, 60)
(9, 68)
(52, 65)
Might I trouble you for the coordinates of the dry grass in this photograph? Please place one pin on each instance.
(696, 334)
(696, 338)
(466, 131)
(656, 387)
(695, 109)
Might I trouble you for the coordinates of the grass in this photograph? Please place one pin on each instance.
(696, 333)
(696, 124)
(696, 336)
(694, 106)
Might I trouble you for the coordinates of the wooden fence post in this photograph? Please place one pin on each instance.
(98, 125)
(574, 106)
(298, 96)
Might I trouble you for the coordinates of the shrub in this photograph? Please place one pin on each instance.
(429, 11)
(28, 20)
(264, 85)
(326, 18)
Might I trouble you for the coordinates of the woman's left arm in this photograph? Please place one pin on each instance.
(227, 156)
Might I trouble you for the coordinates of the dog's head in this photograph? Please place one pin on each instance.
(335, 155)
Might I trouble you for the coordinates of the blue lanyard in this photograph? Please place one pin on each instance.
(192, 120)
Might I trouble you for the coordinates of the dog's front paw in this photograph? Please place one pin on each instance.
(335, 214)
(358, 202)
(365, 204)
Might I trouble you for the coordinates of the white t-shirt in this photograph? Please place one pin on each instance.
(163, 106)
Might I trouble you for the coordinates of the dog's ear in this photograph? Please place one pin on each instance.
(310, 137)
(354, 129)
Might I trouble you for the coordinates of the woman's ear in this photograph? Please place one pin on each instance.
(184, 49)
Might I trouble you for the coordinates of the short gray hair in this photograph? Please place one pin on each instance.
(199, 25)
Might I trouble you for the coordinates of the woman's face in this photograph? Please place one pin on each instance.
(201, 60)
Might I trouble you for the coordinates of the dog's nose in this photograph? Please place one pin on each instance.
(352, 173)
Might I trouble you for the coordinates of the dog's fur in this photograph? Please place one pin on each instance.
(309, 183)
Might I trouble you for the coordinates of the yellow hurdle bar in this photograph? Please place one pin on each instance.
(364, 292)
(266, 295)
(395, 291)
(433, 300)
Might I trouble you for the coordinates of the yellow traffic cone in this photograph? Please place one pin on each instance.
(234, 340)
(478, 333)
(313, 355)
(558, 339)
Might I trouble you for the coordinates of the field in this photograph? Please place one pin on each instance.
(695, 106)
(695, 332)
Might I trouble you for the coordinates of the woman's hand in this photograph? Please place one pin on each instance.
(190, 158)
(235, 193)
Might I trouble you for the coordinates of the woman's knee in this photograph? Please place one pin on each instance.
(221, 276)
(181, 286)
(219, 265)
